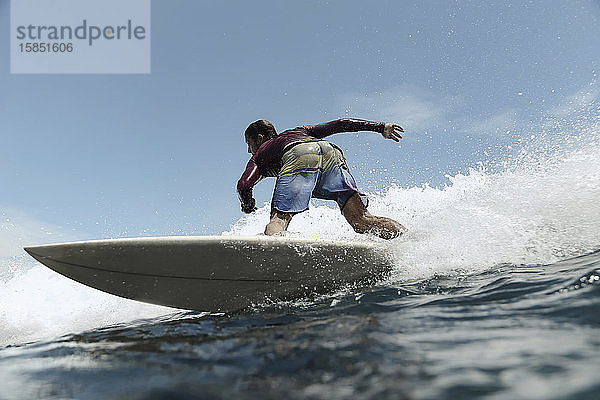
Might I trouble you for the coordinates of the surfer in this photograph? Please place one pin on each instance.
(307, 166)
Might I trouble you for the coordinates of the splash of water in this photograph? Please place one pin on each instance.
(40, 304)
(37, 303)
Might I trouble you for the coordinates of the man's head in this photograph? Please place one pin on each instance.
(257, 133)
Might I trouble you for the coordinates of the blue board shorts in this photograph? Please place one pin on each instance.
(313, 169)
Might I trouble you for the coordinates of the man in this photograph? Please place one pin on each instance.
(307, 166)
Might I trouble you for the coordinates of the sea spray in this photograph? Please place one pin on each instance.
(41, 304)
(37, 303)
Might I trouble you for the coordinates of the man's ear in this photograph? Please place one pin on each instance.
(260, 138)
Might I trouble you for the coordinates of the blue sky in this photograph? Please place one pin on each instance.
(128, 155)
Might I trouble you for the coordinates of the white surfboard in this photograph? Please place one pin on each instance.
(215, 273)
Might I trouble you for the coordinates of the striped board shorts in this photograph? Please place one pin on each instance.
(313, 169)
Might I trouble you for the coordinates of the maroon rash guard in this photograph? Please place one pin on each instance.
(267, 160)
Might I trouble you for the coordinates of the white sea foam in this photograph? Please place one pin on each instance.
(527, 214)
(37, 303)
(40, 304)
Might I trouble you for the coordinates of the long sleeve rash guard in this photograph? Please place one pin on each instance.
(267, 160)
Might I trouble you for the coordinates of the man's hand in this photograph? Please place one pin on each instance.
(391, 131)
(249, 208)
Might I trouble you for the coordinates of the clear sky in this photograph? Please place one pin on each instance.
(156, 154)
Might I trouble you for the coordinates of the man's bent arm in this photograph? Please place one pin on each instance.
(344, 125)
(249, 178)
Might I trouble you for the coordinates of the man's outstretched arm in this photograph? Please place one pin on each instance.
(389, 131)
(249, 178)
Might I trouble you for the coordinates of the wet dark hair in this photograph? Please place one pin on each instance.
(260, 127)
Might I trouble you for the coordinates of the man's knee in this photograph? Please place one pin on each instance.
(360, 229)
(361, 223)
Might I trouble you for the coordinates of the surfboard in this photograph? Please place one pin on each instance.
(215, 273)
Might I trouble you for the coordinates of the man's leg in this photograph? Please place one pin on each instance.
(279, 222)
(362, 221)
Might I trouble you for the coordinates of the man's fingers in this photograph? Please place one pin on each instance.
(391, 132)
(394, 136)
(398, 127)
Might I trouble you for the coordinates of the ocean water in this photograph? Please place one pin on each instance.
(495, 294)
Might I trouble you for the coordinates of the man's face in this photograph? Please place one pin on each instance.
(253, 145)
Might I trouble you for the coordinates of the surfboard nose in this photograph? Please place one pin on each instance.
(53, 251)
(30, 249)
(40, 253)
(37, 250)
(34, 251)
